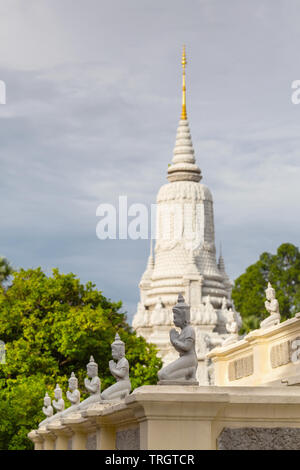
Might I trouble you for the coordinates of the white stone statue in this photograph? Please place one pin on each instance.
(120, 370)
(73, 395)
(183, 370)
(232, 327)
(272, 306)
(158, 314)
(93, 386)
(210, 317)
(47, 409)
(168, 316)
(213, 341)
(58, 403)
(224, 304)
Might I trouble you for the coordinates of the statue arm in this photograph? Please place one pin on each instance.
(173, 336)
(267, 305)
(273, 306)
(56, 405)
(185, 345)
(73, 396)
(86, 385)
(91, 388)
(119, 370)
(120, 373)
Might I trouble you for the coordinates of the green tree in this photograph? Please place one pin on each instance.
(283, 271)
(5, 270)
(51, 325)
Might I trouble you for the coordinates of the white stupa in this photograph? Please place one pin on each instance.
(185, 259)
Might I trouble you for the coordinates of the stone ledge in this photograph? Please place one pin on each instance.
(187, 383)
(178, 417)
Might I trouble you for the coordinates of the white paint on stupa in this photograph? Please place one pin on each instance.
(185, 261)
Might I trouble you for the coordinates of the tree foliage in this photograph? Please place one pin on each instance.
(283, 271)
(51, 325)
(5, 270)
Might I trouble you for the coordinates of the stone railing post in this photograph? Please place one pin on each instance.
(80, 428)
(63, 434)
(48, 439)
(36, 439)
(106, 437)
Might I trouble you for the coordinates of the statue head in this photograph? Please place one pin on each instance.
(57, 392)
(47, 400)
(270, 292)
(117, 348)
(73, 382)
(92, 368)
(181, 312)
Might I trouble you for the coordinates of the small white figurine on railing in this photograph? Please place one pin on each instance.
(120, 370)
(232, 327)
(93, 386)
(47, 409)
(272, 306)
(58, 403)
(73, 395)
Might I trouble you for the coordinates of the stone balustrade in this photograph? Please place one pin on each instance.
(174, 417)
(264, 356)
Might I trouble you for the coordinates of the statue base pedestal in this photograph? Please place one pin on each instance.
(178, 382)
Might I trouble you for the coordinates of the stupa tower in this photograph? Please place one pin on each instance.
(185, 257)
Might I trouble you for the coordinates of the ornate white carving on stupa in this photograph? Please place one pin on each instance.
(185, 260)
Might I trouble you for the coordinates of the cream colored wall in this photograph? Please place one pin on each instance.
(259, 344)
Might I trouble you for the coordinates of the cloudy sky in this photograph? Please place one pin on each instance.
(93, 102)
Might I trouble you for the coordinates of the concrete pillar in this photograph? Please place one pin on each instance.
(49, 442)
(38, 445)
(79, 440)
(37, 439)
(261, 359)
(106, 438)
(62, 442)
(192, 434)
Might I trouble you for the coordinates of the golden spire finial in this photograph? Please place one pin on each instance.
(183, 62)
